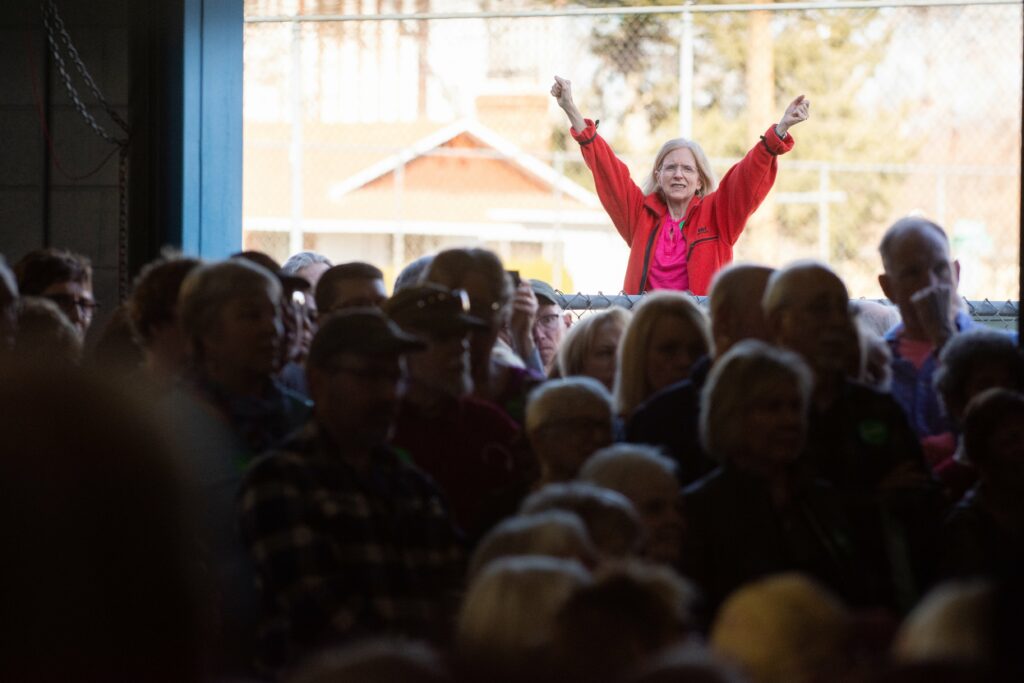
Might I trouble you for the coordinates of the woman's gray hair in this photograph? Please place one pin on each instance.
(708, 181)
(297, 262)
(209, 287)
(554, 533)
(556, 398)
(737, 381)
(580, 338)
(614, 466)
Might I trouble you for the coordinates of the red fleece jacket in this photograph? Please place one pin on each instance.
(713, 222)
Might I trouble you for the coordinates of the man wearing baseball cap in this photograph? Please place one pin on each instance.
(550, 325)
(348, 538)
(471, 448)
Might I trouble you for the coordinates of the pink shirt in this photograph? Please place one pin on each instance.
(668, 262)
(915, 351)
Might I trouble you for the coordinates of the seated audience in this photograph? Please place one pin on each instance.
(507, 619)
(858, 439)
(665, 339)
(984, 534)
(100, 577)
(480, 273)
(350, 285)
(307, 264)
(970, 363)
(612, 522)
(566, 421)
(756, 514)
(857, 436)
(8, 307)
(45, 335)
(555, 533)
(630, 611)
(375, 661)
(550, 325)
(153, 309)
(348, 538)
(784, 629)
(648, 479)
(472, 449)
(230, 315)
(668, 419)
(62, 277)
(591, 346)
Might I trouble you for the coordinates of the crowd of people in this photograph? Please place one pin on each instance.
(285, 472)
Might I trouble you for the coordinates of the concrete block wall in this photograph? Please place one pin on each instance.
(42, 204)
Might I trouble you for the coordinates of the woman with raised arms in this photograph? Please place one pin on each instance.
(679, 227)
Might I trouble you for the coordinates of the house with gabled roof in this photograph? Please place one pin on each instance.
(389, 192)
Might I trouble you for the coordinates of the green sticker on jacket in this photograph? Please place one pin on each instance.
(873, 432)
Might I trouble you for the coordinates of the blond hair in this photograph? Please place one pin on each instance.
(631, 385)
(783, 629)
(708, 181)
(580, 338)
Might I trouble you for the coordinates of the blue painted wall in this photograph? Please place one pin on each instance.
(210, 148)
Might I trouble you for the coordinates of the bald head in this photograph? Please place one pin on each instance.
(736, 312)
(906, 234)
(916, 261)
(807, 310)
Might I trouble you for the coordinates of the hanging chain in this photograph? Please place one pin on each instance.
(58, 38)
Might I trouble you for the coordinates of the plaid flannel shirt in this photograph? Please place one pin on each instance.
(341, 553)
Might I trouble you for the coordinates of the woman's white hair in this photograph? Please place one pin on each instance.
(612, 521)
(622, 466)
(209, 287)
(555, 533)
(510, 608)
(558, 397)
(708, 181)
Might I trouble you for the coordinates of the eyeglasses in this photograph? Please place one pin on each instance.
(672, 168)
(69, 303)
(549, 321)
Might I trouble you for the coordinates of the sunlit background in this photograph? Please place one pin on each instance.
(381, 139)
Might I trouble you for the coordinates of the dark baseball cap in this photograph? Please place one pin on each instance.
(432, 308)
(544, 292)
(365, 331)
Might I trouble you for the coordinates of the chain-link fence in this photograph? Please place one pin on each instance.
(370, 135)
(999, 315)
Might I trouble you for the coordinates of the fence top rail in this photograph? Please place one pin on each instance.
(691, 8)
(978, 308)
